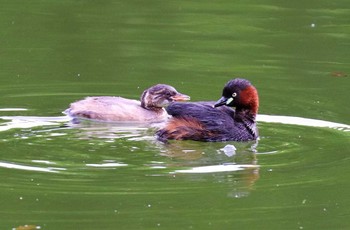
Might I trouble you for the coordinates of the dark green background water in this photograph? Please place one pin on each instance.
(99, 176)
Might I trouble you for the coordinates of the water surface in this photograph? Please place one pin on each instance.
(60, 175)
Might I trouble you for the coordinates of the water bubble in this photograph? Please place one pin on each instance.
(229, 150)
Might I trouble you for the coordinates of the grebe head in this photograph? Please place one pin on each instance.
(240, 93)
(161, 95)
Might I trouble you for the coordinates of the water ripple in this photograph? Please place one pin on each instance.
(33, 121)
(30, 168)
(290, 120)
(216, 168)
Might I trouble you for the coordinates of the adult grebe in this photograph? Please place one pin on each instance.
(204, 121)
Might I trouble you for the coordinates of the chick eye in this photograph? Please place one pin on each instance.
(234, 94)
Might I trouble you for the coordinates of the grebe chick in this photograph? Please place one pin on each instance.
(204, 121)
(118, 109)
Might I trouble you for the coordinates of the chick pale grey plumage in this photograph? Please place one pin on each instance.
(118, 109)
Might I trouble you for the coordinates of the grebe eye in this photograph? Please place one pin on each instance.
(234, 94)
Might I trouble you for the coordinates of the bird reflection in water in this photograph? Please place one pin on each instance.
(231, 163)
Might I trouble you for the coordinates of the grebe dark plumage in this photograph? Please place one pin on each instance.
(208, 121)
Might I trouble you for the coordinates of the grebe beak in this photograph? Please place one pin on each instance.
(222, 101)
(180, 97)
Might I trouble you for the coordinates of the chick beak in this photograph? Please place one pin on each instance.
(180, 97)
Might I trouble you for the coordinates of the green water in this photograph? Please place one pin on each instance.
(58, 175)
